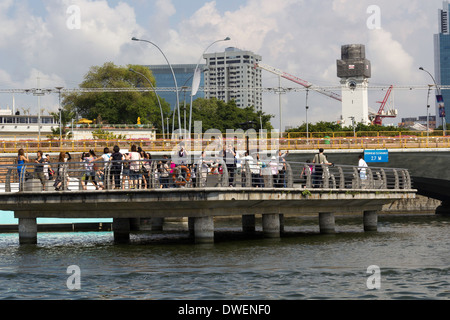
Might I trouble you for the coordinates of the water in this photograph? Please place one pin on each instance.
(412, 252)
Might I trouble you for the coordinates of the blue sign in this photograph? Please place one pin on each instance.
(376, 156)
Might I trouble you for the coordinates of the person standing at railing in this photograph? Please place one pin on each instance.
(135, 167)
(163, 170)
(89, 174)
(21, 159)
(116, 166)
(362, 165)
(39, 168)
(319, 160)
(146, 168)
(100, 172)
(229, 157)
(62, 160)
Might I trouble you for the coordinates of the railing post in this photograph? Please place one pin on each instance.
(8, 180)
(341, 178)
(290, 177)
(356, 178)
(397, 180)
(308, 176)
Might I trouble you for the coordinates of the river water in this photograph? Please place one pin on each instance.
(412, 253)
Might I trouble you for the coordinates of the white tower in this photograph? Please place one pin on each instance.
(354, 70)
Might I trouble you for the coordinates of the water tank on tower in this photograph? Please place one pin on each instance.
(354, 70)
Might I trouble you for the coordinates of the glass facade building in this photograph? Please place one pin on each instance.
(442, 60)
(183, 74)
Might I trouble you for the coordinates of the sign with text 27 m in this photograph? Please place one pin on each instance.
(376, 156)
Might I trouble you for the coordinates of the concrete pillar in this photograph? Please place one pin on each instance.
(281, 223)
(204, 229)
(27, 231)
(248, 223)
(370, 220)
(191, 226)
(135, 224)
(157, 224)
(271, 225)
(121, 229)
(326, 222)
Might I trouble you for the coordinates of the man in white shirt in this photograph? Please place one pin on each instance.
(362, 164)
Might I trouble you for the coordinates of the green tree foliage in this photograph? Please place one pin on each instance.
(114, 107)
(216, 114)
(323, 126)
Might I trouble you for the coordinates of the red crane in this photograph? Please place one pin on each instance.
(378, 120)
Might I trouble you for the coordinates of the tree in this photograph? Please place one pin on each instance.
(217, 114)
(114, 107)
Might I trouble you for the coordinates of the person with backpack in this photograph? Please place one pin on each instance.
(319, 160)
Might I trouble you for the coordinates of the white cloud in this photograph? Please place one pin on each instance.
(298, 36)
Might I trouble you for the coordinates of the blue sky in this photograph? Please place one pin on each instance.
(300, 37)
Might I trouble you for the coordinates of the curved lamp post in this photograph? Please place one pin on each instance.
(157, 97)
(60, 111)
(439, 92)
(196, 78)
(173, 75)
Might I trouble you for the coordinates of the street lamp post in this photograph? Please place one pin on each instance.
(439, 92)
(157, 97)
(196, 78)
(60, 117)
(307, 125)
(173, 75)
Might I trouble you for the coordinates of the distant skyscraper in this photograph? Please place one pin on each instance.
(234, 68)
(442, 58)
(183, 74)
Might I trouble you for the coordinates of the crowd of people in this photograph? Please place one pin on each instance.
(135, 169)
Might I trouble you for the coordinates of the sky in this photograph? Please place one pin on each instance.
(57, 41)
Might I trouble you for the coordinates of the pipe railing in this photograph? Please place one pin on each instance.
(201, 173)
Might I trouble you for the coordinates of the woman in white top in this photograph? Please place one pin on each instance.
(135, 167)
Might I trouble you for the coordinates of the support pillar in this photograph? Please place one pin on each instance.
(204, 229)
(27, 231)
(248, 223)
(135, 224)
(121, 229)
(370, 220)
(157, 224)
(191, 226)
(327, 222)
(271, 225)
(281, 223)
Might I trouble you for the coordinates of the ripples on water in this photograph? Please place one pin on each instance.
(412, 252)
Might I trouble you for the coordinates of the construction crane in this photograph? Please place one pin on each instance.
(299, 81)
(377, 119)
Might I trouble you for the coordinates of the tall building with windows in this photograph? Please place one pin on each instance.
(234, 68)
(442, 58)
(183, 74)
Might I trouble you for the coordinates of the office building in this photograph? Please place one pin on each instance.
(442, 59)
(231, 75)
(183, 74)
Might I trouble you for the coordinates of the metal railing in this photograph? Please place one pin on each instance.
(201, 173)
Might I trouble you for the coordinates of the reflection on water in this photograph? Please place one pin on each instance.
(412, 253)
